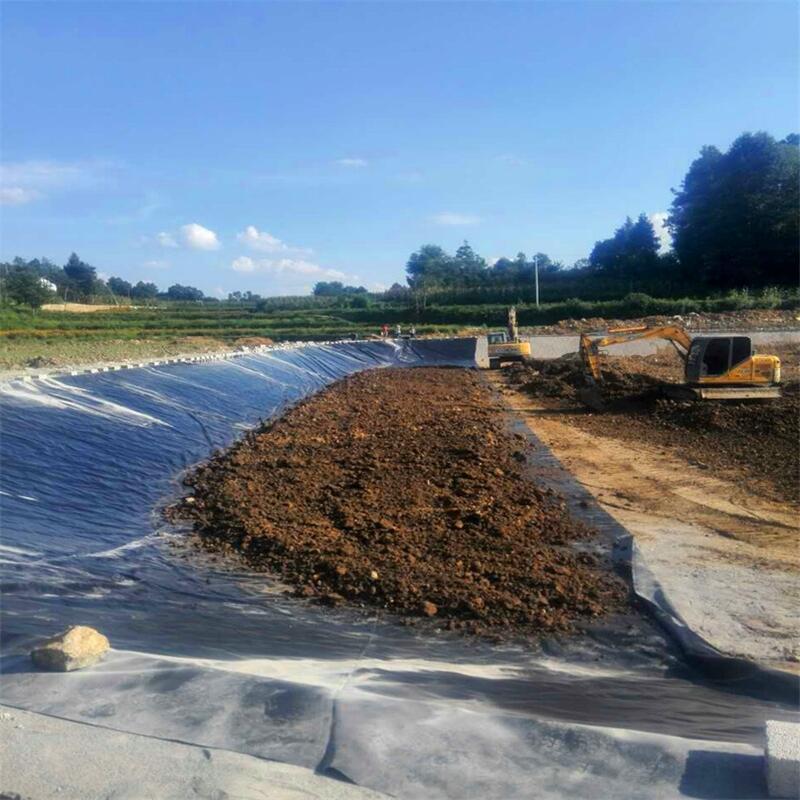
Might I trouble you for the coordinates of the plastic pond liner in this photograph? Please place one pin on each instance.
(202, 654)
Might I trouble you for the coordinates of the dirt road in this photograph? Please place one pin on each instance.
(756, 443)
(725, 552)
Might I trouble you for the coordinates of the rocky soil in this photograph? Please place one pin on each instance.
(755, 440)
(750, 320)
(401, 489)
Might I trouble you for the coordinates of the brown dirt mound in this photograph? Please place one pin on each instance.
(758, 439)
(749, 320)
(402, 489)
(253, 341)
(564, 378)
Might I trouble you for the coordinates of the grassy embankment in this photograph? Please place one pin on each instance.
(59, 337)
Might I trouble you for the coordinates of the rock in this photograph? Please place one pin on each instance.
(77, 647)
(430, 609)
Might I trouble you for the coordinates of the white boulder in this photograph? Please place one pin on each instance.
(77, 647)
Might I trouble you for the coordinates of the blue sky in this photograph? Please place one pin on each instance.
(266, 146)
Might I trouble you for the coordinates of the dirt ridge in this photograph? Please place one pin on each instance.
(402, 489)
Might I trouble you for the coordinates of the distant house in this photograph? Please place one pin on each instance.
(49, 285)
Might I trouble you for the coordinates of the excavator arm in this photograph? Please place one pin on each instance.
(590, 346)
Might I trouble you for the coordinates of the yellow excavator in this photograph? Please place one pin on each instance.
(720, 367)
(506, 346)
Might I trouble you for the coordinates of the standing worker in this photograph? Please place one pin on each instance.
(384, 330)
(398, 331)
(413, 331)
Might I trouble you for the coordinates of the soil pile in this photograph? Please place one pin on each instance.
(252, 341)
(756, 439)
(401, 488)
(749, 320)
(564, 378)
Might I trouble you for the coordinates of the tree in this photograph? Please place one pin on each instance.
(359, 301)
(328, 288)
(25, 286)
(336, 289)
(429, 268)
(120, 287)
(43, 267)
(80, 275)
(397, 292)
(735, 221)
(631, 253)
(179, 292)
(504, 270)
(144, 291)
(543, 263)
(469, 265)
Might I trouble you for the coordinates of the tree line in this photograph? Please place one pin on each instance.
(40, 280)
(734, 223)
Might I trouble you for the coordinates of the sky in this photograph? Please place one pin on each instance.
(266, 146)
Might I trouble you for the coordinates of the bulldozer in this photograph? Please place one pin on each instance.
(721, 367)
(506, 346)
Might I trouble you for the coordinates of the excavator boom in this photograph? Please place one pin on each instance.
(590, 346)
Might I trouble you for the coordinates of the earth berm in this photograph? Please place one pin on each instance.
(402, 489)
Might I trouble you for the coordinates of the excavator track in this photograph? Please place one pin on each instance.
(722, 392)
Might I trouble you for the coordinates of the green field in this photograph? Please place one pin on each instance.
(163, 329)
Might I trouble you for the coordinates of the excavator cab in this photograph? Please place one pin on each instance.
(729, 361)
(507, 347)
(712, 356)
(497, 337)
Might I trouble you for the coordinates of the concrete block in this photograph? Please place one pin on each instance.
(782, 758)
(482, 352)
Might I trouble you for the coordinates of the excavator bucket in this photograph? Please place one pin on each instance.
(591, 397)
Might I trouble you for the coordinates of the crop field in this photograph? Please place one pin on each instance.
(58, 336)
(55, 338)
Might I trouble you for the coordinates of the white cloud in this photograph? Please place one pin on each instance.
(26, 181)
(197, 237)
(286, 267)
(156, 263)
(17, 195)
(265, 242)
(166, 239)
(659, 222)
(243, 264)
(352, 162)
(40, 174)
(452, 218)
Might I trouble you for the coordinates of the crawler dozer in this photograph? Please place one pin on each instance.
(506, 346)
(720, 367)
